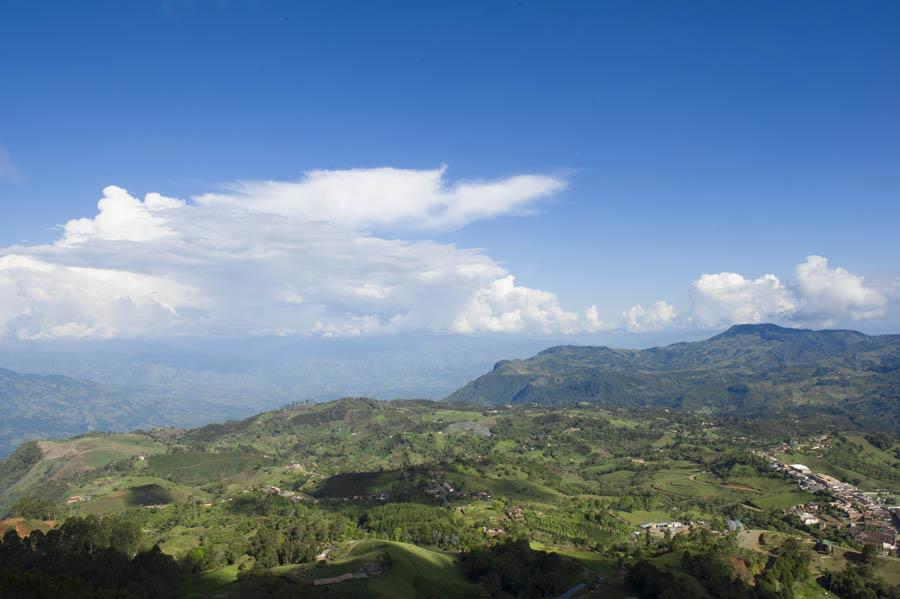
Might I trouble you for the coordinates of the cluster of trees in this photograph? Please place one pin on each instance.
(14, 467)
(650, 582)
(850, 455)
(790, 567)
(418, 524)
(724, 570)
(637, 500)
(740, 463)
(859, 580)
(287, 532)
(272, 529)
(881, 440)
(85, 558)
(515, 569)
(580, 522)
(35, 508)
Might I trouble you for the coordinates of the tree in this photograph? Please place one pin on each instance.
(869, 554)
(35, 508)
(264, 547)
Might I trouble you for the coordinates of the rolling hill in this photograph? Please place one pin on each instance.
(408, 487)
(744, 370)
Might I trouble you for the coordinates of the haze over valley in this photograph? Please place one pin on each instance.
(494, 300)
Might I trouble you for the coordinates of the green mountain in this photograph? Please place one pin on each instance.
(412, 491)
(42, 406)
(744, 370)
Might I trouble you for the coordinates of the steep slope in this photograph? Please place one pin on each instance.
(744, 369)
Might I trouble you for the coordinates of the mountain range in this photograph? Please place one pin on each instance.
(744, 370)
(52, 406)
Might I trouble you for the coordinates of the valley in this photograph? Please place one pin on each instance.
(246, 507)
(603, 495)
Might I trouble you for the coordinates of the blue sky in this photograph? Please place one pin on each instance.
(692, 138)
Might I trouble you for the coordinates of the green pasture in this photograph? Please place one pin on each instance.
(512, 488)
(201, 468)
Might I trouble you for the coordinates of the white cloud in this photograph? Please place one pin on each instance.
(504, 307)
(638, 319)
(595, 324)
(291, 259)
(833, 294)
(369, 199)
(122, 218)
(163, 266)
(39, 299)
(820, 296)
(728, 298)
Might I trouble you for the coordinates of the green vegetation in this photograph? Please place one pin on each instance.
(749, 370)
(514, 568)
(36, 406)
(420, 498)
(35, 508)
(200, 468)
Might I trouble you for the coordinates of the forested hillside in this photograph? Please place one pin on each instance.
(745, 370)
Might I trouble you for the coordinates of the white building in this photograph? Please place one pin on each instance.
(800, 468)
(808, 519)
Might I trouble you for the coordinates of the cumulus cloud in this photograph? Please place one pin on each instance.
(39, 299)
(728, 298)
(305, 257)
(288, 262)
(820, 296)
(122, 218)
(832, 294)
(369, 199)
(656, 317)
(593, 323)
(504, 307)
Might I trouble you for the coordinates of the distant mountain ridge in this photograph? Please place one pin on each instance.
(742, 370)
(42, 406)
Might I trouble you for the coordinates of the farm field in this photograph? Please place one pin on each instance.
(201, 468)
(360, 481)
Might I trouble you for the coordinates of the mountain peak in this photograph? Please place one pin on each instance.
(776, 363)
(758, 329)
(771, 331)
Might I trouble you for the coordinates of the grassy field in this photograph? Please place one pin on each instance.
(886, 567)
(781, 500)
(200, 468)
(180, 540)
(133, 491)
(413, 571)
(640, 517)
(213, 583)
(517, 489)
